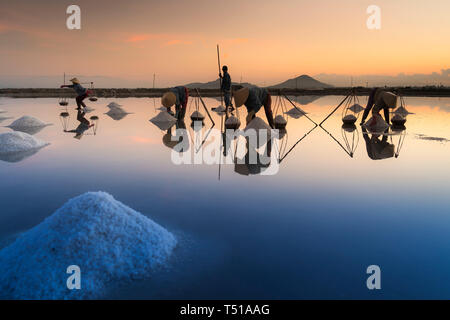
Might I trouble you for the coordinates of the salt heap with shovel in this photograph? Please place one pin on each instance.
(28, 125)
(107, 240)
(163, 120)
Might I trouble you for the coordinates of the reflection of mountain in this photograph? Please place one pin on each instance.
(301, 82)
(304, 100)
(213, 85)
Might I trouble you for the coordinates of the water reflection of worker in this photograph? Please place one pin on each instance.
(253, 99)
(177, 96)
(82, 93)
(378, 149)
(82, 127)
(183, 139)
(254, 163)
(380, 99)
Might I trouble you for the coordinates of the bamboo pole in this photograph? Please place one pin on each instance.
(220, 82)
(204, 106)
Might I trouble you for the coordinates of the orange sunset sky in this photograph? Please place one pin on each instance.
(265, 41)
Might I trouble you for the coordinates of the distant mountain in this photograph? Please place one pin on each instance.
(301, 82)
(213, 85)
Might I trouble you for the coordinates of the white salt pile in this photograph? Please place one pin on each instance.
(376, 124)
(402, 111)
(260, 126)
(196, 115)
(164, 120)
(107, 240)
(26, 122)
(162, 108)
(356, 108)
(88, 109)
(295, 113)
(16, 142)
(220, 109)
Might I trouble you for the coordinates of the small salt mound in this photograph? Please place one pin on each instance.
(376, 124)
(220, 109)
(88, 109)
(196, 115)
(27, 122)
(16, 142)
(398, 117)
(109, 241)
(162, 108)
(117, 113)
(164, 120)
(402, 111)
(280, 120)
(356, 108)
(295, 113)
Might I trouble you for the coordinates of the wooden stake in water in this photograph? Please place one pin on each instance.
(220, 82)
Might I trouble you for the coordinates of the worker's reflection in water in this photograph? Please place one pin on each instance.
(181, 138)
(377, 145)
(254, 162)
(82, 127)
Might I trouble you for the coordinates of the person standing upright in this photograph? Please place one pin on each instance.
(226, 87)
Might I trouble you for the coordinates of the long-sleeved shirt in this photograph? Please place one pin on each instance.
(79, 89)
(258, 97)
(226, 82)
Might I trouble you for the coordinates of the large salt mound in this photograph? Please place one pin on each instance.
(164, 120)
(376, 124)
(16, 142)
(109, 241)
(27, 122)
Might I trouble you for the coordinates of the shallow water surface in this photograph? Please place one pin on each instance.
(308, 231)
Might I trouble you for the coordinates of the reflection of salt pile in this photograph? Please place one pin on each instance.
(28, 125)
(164, 120)
(356, 108)
(197, 116)
(232, 123)
(260, 127)
(219, 109)
(402, 111)
(116, 112)
(376, 124)
(349, 119)
(106, 239)
(114, 105)
(16, 146)
(295, 113)
(398, 120)
(280, 122)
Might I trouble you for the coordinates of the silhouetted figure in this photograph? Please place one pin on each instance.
(177, 96)
(226, 86)
(82, 93)
(379, 99)
(253, 99)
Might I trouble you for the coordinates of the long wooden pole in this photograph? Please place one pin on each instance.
(204, 106)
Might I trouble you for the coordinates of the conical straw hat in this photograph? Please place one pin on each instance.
(75, 80)
(168, 99)
(240, 97)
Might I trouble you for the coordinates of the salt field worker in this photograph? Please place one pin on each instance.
(177, 96)
(380, 99)
(82, 127)
(253, 99)
(82, 93)
(226, 86)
